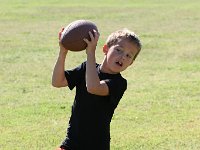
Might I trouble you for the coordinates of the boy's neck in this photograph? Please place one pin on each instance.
(104, 68)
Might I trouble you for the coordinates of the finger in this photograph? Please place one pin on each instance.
(61, 30)
(94, 31)
(96, 34)
(86, 40)
(91, 35)
(60, 33)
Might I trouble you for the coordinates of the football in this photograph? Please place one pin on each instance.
(74, 33)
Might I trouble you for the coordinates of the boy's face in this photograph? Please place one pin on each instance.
(119, 56)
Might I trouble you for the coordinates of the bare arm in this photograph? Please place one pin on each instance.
(93, 83)
(58, 77)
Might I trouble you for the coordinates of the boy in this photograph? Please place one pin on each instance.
(99, 88)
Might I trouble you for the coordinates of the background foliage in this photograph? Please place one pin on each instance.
(160, 109)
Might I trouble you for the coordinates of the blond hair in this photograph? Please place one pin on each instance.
(126, 34)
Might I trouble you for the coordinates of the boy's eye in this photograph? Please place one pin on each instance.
(118, 50)
(129, 56)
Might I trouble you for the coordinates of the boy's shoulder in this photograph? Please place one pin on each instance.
(83, 65)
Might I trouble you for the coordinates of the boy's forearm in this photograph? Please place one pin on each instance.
(92, 79)
(58, 77)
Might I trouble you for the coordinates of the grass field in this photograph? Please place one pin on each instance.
(159, 111)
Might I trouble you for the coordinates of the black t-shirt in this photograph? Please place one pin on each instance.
(89, 125)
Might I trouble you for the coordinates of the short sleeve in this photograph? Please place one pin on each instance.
(75, 76)
(116, 87)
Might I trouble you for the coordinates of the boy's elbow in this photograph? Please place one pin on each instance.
(54, 84)
(101, 89)
(59, 84)
(91, 90)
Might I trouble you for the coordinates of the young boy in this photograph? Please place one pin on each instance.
(99, 88)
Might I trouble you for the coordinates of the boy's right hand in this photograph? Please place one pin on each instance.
(60, 44)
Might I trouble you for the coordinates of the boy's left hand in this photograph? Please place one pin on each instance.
(60, 44)
(91, 45)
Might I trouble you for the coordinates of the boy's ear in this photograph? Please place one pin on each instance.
(105, 49)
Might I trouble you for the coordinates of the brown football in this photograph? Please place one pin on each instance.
(73, 35)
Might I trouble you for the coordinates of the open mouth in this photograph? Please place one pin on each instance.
(119, 64)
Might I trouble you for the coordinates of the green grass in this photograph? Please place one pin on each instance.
(160, 109)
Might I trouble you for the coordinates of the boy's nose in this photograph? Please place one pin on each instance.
(123, 56)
